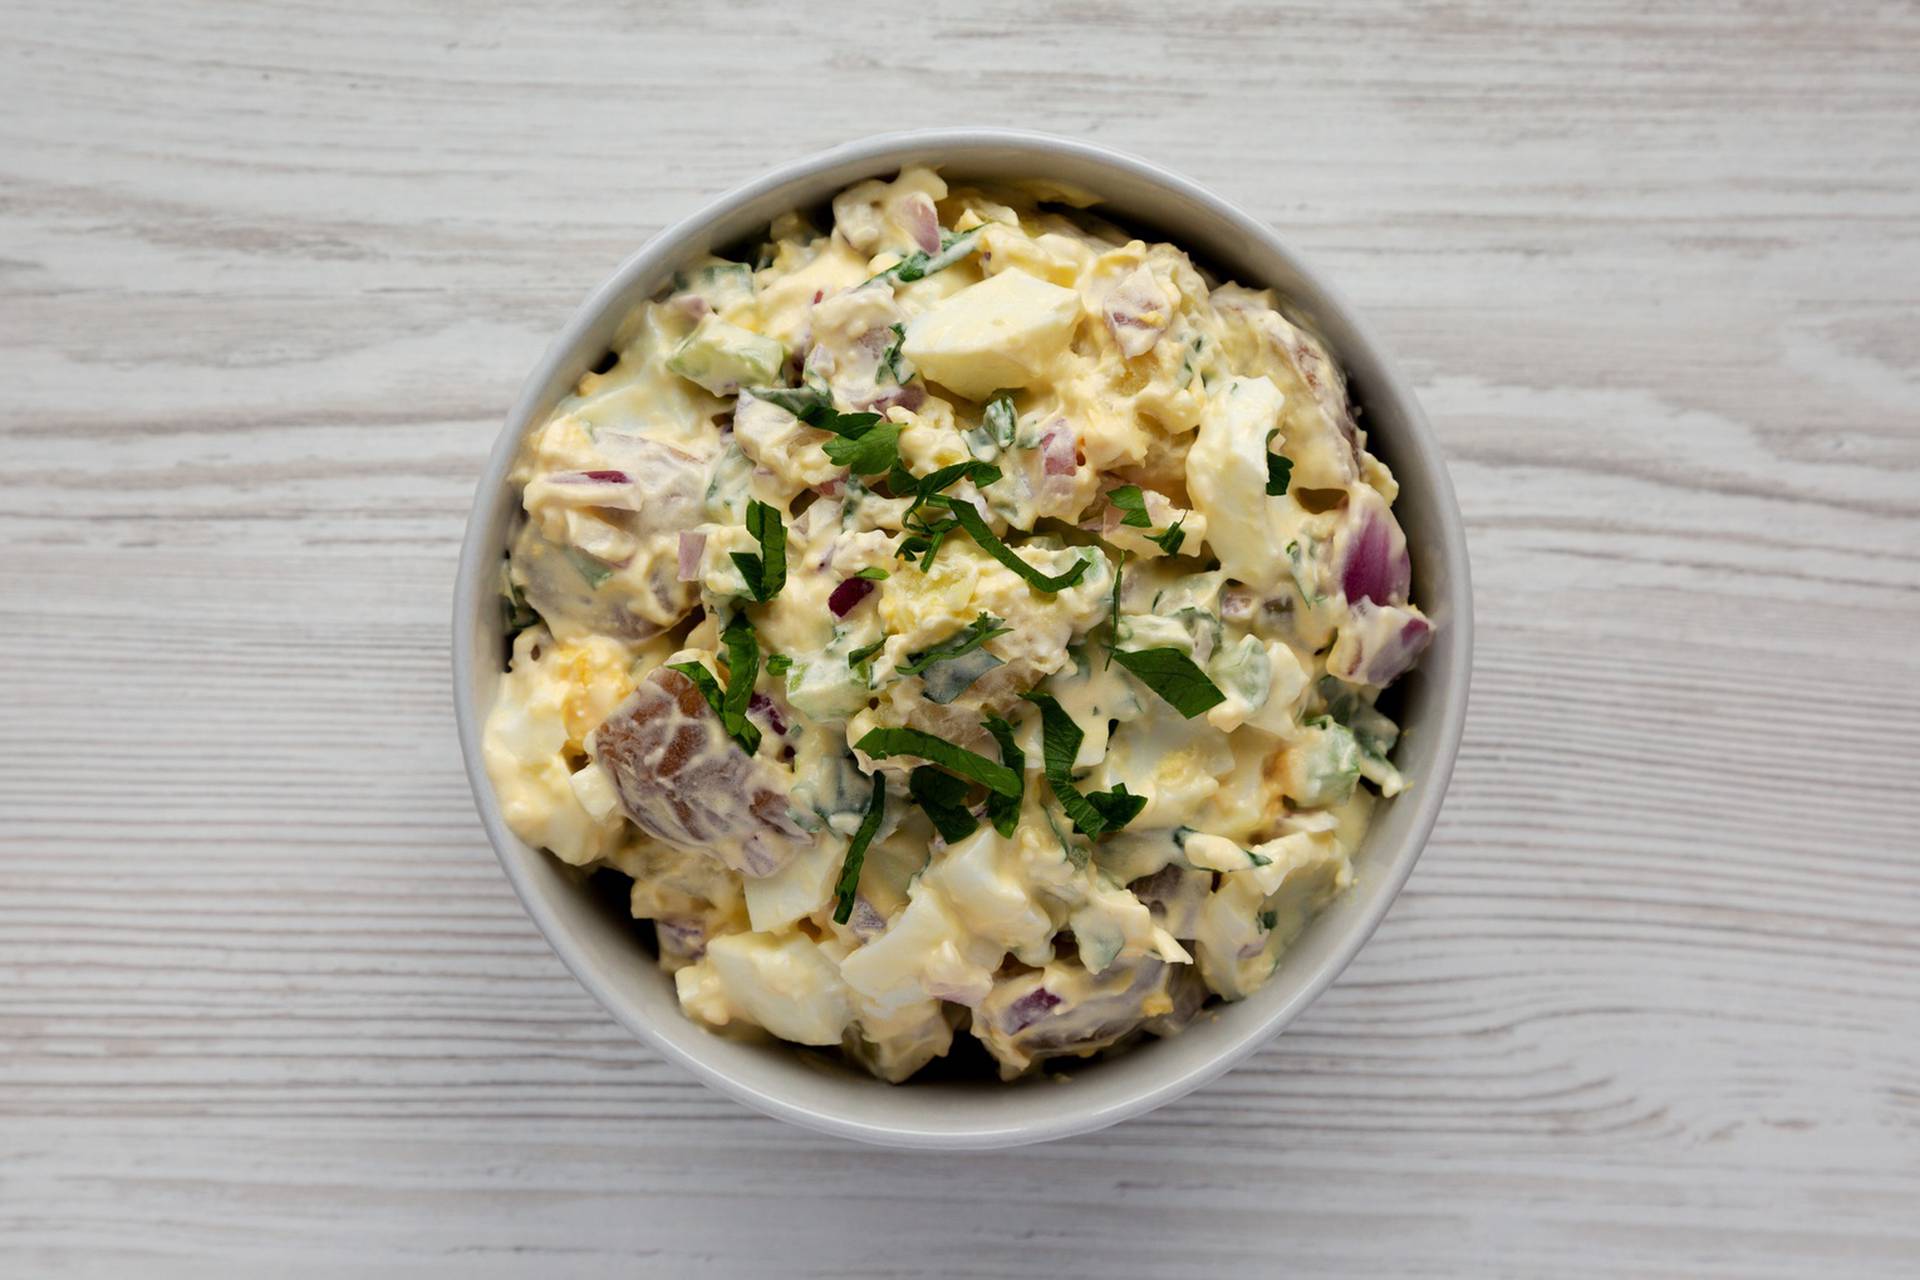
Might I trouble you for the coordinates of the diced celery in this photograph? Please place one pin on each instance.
(826, 689)
(1375, 732)
(1327, 765)
(728, 491)
(724, 357)
(1244, 671)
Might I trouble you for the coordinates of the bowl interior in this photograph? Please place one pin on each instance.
(605, 951)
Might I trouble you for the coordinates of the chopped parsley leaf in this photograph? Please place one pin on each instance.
(978, 632)
(975, 526)
(1130, 499)
(1173, 675)
(765, 573)
(848, 885)
(881, 743)
(1093, 815)
(943, 797)
(1003, 811)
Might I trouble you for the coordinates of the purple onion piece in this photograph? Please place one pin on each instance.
(1376, 568)
(1029, 1009)
(848, 594)
(1060, 449)
(589, 477)
(1381, 645)
(763, 708)
(911, 396)
(923, 221)
(686, 939)
(1397, 656)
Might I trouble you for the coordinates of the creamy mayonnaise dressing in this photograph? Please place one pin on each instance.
(1158, 526)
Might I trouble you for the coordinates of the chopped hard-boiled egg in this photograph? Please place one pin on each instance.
(1002, 332)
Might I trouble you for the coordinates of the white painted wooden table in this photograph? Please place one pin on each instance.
(269, 276)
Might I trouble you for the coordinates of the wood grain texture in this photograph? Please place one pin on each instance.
(269, 277)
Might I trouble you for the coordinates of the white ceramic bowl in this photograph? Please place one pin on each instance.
(601, 947)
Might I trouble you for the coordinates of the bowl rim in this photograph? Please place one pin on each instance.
(480, 549)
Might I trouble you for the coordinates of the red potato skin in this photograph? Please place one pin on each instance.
(681, 779)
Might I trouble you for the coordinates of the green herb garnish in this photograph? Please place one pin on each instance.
(1279, 468)
(778, 664)
(743, 668)
(926, 543)
(1130, 499)
(867, 444)
(798, 401)
(1267, 920)
(849, 882)
(765, 573)
(1297, 563)
(1003, 811)
(881, 743)
(716, 701)
(1000, 420)
(857, 657)
(592, 568)
(1170, 538)
(977, 633)
(873, 574)
(1113, 609)
(703, 681)
(1093, 815)
(925, 487)
(1173, 675)
(516, 615)
(924, 536)
(890, 358)
(944, 797)
(919, 264)
(1117, 807)
(968, 517)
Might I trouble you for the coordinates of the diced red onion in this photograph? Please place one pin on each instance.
(765, 708)
(692, 546)
(685, 939)
(589, 477)
(1376, 567)
(1397, 656)
(1059, 448)
(848, 594)
(1029, 1009)
(1379, 645)
(910, 396)
(922, 221)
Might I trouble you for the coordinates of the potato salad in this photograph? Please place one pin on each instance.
(962, 620)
